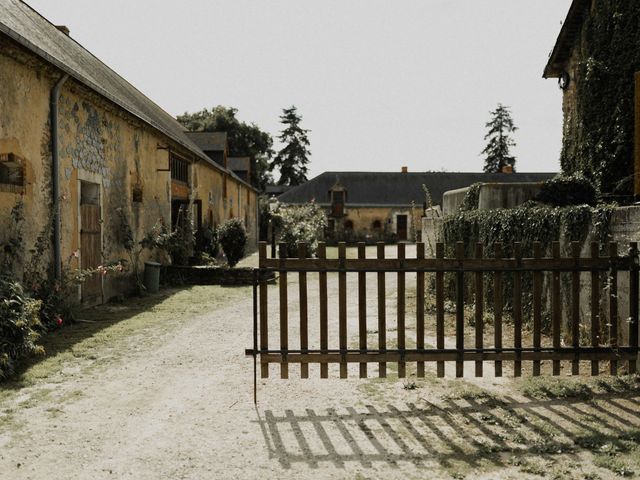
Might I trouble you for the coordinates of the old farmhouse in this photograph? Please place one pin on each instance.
(80, 147)
(372, 206)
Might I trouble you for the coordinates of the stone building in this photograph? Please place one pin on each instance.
(81, 148)
(596, 60)
(374, 206)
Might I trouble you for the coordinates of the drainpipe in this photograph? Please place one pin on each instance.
(55, 175)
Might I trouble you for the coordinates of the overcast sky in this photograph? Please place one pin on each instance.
(380, 84)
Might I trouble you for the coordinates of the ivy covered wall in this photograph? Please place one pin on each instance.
(599, 105)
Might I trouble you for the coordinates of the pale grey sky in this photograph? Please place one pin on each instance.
(380, 84)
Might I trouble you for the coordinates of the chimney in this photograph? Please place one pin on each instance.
(404, 169)
(507, 169)
(64, 29)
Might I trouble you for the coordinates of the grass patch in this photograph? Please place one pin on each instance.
(106, 332)
(614, 465)
(560, 388)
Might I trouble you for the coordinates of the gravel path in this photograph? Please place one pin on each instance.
(175, 402)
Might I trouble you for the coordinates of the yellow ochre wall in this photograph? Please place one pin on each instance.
(98, 143)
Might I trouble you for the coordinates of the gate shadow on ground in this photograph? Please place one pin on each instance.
(450, 434)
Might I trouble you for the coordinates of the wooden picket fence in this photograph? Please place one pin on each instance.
(478, 267)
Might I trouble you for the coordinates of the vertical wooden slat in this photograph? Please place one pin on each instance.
(537, 307)
(264, 309)
(362, 309)
(634, 284)
(324, 328)
(284, 312)
(517, 310)
(382, 313)
(342, 307)
(402, 366)
(420, 309)
(613, 306)
(460, 309)
(595, 308)
(440, 308)
(575, 308)
(479, 313)
(556, 312)
(304, 318)
(497, 309)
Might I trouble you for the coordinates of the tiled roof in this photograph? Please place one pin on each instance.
(566, 39)
(34, 32)
(395, 188)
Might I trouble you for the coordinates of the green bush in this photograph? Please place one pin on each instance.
(19, 326)
(233, 238)
(207, 241)
(563, 191)
(300, 224)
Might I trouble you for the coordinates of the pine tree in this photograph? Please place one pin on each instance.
(293, 158)
(497, 154)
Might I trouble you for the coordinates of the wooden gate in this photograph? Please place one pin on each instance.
(579, 276)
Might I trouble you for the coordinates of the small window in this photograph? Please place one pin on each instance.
(11, 173)
(376, 225)
(348, 225)
(179, 169)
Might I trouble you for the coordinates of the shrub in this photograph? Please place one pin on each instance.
(207, 241)
(563, 191)
(300, 224)
(233, 238)
(19, 326)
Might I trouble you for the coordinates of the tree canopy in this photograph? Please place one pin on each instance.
(497, 152)
(244, 139)
(293, 158)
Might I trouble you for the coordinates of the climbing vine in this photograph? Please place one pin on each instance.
(526, 224)
(599, 135)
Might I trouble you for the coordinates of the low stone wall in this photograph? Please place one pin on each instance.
(208, 275)
(452, 200)
(506, 195)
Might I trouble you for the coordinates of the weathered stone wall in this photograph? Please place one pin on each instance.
(452, 200)
(506, 195)
(101, 144)
(363, 219)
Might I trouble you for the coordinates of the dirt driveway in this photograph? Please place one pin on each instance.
(160, 388)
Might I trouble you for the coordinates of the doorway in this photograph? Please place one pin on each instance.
(90, 241)
(402, 227)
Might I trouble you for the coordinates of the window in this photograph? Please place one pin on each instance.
(348, 225)
(179, 169)
(11, 173)
(376, 225)
(337, 203)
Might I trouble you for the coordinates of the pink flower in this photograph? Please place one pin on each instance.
(59, 320)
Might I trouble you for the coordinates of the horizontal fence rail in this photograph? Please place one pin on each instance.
(486, 321)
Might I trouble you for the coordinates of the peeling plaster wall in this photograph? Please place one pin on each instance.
(99, 143)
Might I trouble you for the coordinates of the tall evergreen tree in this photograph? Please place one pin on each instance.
(497, 152)
(293, 158)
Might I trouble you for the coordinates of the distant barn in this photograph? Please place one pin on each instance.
(372, 206)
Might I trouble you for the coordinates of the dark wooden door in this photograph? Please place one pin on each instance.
(402, 227)
(90, 249)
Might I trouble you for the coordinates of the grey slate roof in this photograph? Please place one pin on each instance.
(27, 27)
(242, 164)
(209, 141)
(395, 188)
